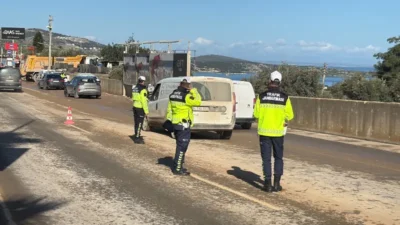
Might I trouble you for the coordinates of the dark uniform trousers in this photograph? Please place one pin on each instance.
(138, 115)
(182, 137)
(266, 145)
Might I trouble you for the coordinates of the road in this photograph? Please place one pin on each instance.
(92, 173)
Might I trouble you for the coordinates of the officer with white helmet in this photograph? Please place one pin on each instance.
(140, 107)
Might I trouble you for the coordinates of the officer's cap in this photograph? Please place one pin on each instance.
(276, 76)
(186, 80)
(142, 78)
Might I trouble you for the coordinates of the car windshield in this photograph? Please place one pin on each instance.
(88, 80)
(214, 91)
(9, 72)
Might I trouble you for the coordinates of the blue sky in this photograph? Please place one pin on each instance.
(310, 31)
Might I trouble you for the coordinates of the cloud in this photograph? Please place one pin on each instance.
(369, 48)
(317, 46)
(281, 42)
(92, 38)
(203, 41)
(268, 48)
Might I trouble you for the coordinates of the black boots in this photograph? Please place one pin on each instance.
(268, 186)
(277, 185)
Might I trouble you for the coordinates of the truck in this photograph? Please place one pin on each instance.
(33, 64)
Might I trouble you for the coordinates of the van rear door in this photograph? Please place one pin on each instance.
(217, 105)
(245, 99)
(9, 77)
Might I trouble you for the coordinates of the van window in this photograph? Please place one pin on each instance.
(167, 89)
(9, 72)
(155, 94)
(214, 91)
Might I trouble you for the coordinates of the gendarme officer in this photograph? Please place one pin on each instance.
(140, 107)
(180, 113)
(273, 110)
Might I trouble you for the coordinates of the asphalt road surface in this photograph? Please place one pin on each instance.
(92, 173)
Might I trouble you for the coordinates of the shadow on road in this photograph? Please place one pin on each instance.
(9, 153)
(25, 209)
(167, 161)
(246, 176)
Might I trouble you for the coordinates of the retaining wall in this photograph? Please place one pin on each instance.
(368, 120)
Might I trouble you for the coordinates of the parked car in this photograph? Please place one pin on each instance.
(216, 113)
(51, 81)
(10, 79)
(83, 85)
(245, 101)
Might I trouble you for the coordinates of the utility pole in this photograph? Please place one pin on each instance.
(323, 77)
(50, 27)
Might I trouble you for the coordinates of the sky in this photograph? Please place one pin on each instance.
(339, 32)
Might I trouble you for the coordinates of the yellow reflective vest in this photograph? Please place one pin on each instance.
(180, 105)
(139, 98)
(272, 110)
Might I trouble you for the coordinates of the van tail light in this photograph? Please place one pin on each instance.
(234, 102)
(254, 102)
(50, 80)
(20, 81)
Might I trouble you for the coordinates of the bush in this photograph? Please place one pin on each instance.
(117, 73)
(359, 88)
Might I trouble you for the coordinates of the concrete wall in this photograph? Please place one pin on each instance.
(112, 86)
(368, 120)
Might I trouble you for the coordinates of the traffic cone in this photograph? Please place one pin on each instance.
(69, 120)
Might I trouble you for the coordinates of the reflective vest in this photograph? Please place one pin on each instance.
(272, 110)
(139, 98)
(180, 105)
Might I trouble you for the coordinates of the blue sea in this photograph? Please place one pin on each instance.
(329, 81)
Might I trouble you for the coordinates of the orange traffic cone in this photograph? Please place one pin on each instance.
(69, 120)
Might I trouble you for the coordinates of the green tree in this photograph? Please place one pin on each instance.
(296, 81)
(38, 42)
(388, 66)
(115, 52)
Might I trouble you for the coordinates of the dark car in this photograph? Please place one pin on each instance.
(10, 79)
(51, 80)
(83, 86)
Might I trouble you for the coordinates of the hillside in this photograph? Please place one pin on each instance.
(61, 40)
(225, 64)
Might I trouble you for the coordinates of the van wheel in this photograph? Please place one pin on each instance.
(146, 126)
(66, 93)
(246, 125)
(225, 134)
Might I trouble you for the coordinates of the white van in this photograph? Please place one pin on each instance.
(245, 100)
(216, 113)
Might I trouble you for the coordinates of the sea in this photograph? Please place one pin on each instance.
(329, 80)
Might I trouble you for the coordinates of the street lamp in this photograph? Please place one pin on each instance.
(50, 27)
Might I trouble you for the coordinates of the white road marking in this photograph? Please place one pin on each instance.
(78, 128)
(248, 197)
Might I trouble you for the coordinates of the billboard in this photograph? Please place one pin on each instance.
(11, 46)
(154, 66)
(161, 66)
(180, 64)
(13, 33)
